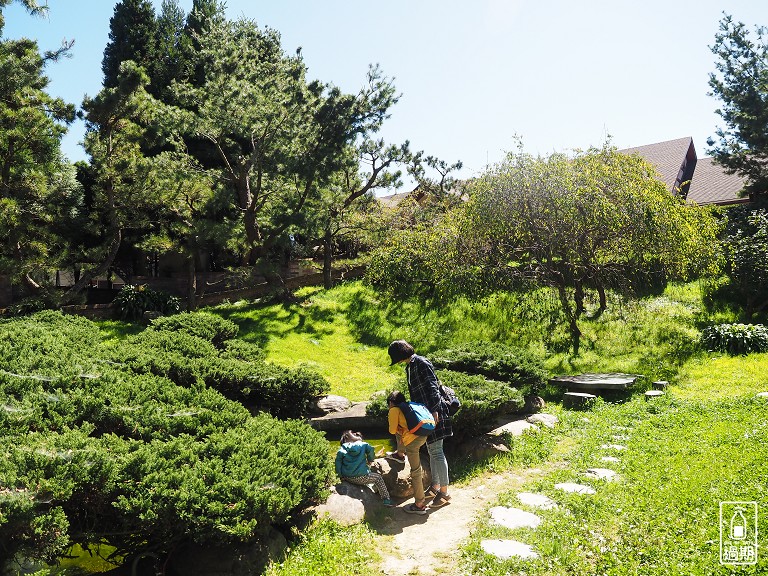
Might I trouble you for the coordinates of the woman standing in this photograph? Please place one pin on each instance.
(424, 388)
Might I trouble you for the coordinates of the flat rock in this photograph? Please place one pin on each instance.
(762, 394)
(505, 549)
(575, 488)
(601, 473)
(595, 381)
(618, 447)
(513, 517)
(515, 428)
(548, 420)
(536, 500)
(353, 418)
(610, 459)
(331, 403)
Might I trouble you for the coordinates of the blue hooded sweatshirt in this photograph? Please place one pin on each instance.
(352, 459)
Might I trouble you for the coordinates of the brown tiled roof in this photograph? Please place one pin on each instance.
(711, 185)
(666, 156)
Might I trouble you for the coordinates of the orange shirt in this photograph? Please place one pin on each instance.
(398, 425)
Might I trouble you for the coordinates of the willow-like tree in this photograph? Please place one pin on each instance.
(597, 220)
(593, 221)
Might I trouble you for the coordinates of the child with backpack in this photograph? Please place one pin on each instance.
(411, 442)
(352, 460)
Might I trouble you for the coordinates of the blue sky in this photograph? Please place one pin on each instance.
(473, 74)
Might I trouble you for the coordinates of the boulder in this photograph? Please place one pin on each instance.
(533, 404)
(343, 508)
(548, 420)
(397, 476)
(330, 403)
(482, 447)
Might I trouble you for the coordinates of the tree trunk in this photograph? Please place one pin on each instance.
(191, 281)
(578, 298)
(573, 324)
(85, 278)
(327, 260)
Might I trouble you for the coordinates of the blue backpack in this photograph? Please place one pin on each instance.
(418, 418)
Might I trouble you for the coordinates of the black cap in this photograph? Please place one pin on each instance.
(399, 350)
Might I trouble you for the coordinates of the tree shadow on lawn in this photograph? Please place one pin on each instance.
(276, 323)
(372, 322)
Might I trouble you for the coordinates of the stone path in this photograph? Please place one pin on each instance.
(515, 518)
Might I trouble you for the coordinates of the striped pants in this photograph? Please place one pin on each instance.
(371, 478)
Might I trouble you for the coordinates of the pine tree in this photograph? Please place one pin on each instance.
(132, 36)
(741, 83)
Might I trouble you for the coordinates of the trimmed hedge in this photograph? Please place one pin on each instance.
(95, 448)
(239, 371)
(495, 361)
(214, 329)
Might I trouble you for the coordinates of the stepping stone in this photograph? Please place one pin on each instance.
(578, 399)
(536, 500)
(601, 473)
(513, 517)
(651, 394)
(660, 385)
(575, 488)
(762, 395)
(610, 459)
(548, 420)
(506, 549)
(620, 437)
(613, 447)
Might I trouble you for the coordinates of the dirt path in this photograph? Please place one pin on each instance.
(423, 545)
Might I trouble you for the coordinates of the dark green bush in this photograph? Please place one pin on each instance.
(47, 345)
(735, 338)
(495, 361)
(482, 402)
(133, 301)
(239, 372)
(93, 450)
(205, 325)
(283, 392)
(246, 351)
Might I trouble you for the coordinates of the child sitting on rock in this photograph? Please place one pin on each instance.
(352, 461)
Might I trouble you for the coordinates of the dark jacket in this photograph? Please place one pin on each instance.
(423, 387)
